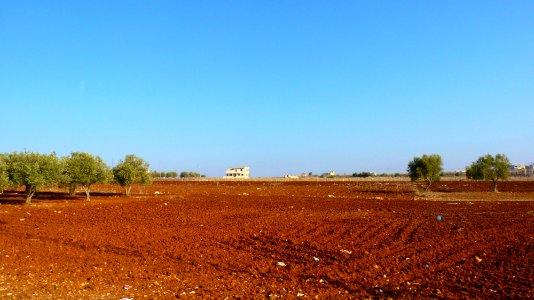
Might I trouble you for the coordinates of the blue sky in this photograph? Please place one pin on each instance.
(281, 86)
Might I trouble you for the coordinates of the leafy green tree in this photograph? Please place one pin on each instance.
(33, 170)
(131, 170)
(171, 174)
(64, 179)
(186, 174)
(427, 168)
(155, 174)
(84, 169)
(4, 178)
(489, 168)
(363, 174)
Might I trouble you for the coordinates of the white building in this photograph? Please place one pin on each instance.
(517, 167)
(237, 172)
(518, 170)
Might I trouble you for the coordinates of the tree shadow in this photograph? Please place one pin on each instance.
(19, 197)
(12, 197)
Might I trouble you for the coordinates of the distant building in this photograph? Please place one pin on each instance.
(518, 167)
(237, 172)
(518, 170)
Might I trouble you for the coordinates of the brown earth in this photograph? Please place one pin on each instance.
(258, 239)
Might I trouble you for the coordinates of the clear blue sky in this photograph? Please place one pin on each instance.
(281, 86)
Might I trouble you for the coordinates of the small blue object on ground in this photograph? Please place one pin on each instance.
(427, 266)
(440, 217)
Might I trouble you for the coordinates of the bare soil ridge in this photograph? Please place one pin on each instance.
(257, 239)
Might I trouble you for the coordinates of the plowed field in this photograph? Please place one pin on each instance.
(258, 239)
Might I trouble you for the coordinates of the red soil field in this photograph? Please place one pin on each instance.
(270, 239)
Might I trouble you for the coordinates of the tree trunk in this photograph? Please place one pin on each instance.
(495, 186)
(428, 185)
(29, 196)
(87, 196)
(72, 190)
(128, 190)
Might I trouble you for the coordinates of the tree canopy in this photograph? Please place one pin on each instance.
(33, 170)
(188, 174)
(363, 174)
(171, 174)
(85, 169)
(131, 170)
(4, 178)
(157, 174)
(491, 168)
(427, 168)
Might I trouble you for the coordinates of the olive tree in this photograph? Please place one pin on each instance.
(33, 170)
(171, 174)
(131, 170)
(4, 178)
(491, 168)
(157, 174)
(427, 168)
(190, 174)
(84, 169)
(65, 181)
